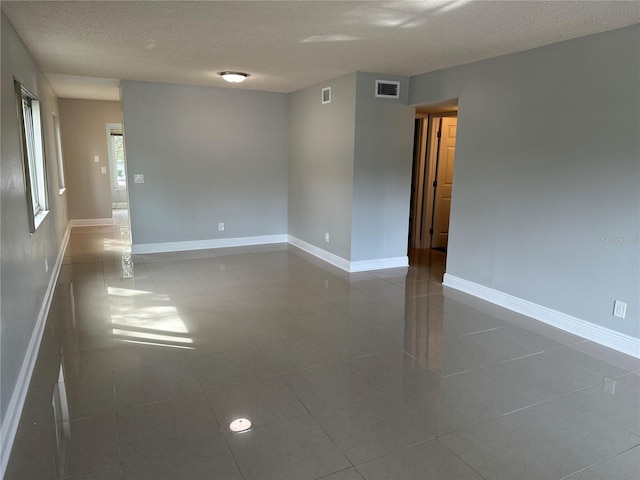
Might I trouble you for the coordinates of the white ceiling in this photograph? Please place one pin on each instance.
(86, 47)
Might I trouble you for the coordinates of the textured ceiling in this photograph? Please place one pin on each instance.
(286, 46)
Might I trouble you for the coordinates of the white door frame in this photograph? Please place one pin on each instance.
(112, 165)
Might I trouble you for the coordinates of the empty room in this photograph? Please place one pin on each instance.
(270, 240)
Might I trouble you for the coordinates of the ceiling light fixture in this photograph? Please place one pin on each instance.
(234, 77)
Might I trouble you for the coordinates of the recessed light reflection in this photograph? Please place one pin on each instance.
(240, 425)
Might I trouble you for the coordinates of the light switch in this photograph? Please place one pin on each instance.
(103, 170)
(138, 178)
(96, 158)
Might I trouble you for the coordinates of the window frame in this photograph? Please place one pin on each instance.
(62, 184)
(33, 155)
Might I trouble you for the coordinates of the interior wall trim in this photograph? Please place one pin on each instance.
(142, 248)
(91, 222)
(318, 252)
(346, 265)
(604, 336)
(16, 403)
(379, 264)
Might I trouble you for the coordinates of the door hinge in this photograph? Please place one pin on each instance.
(435, 183)
(439, 133)
(431, 231)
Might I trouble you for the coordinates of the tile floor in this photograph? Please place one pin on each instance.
(147, 359)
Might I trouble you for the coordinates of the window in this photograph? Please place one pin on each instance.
(35, 172)
(56, 131)
(116, 154)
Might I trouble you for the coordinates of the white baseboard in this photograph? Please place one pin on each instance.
(328, 257)
(91, 222)
(346, 265)
(204, 244)
(596, 333)
(379, 264)
(16, 403)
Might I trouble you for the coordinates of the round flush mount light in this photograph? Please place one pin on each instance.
(240, 425)
(234, 77)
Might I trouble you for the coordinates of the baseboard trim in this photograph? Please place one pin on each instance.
(91, 222)
(346, 265)
(142, 248)
(9, 427)
(328, 257)
(119, 205)
(379, 264)
(596, 333)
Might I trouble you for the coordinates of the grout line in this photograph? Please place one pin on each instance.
(461, 459)
(523, 356)
(483, 331)
(598, 463)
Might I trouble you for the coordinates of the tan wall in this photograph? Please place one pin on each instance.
(84, 135)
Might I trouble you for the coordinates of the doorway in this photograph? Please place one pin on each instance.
(117, 170)
(433, 164)
(118, 174)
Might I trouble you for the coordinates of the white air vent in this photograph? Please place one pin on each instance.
(387, 89)
(326, 95)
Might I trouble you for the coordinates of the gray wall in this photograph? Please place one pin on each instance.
(321, 155)
(23, 281)
(83, 125)
(382, 171)
(546, 201)
(208, 155)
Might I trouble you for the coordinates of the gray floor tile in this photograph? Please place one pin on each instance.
(551, 440)
(428, 460)
(617, 404)
(263, 401)
(232, 367)
(625, 466)
(348, 474)
(208, 459)
(295, 449)
(162, 427)
(574, 357)
(326, 320)
(327, 385)
(374, 426)
(79, 447)
(607, 354)
(392, 370)
(376, 369)
(111, 473)
(305, 352)
(155, 383)
(631, 381)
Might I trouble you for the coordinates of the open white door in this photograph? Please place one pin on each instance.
(444, 182)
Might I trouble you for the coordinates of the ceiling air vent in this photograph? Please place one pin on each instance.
(326, 95)
(387, 89)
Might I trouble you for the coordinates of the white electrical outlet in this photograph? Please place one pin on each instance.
(220, 226)
(326, 237)
(138, 178)
(103, 170)
(96, 158)
(619, 309)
